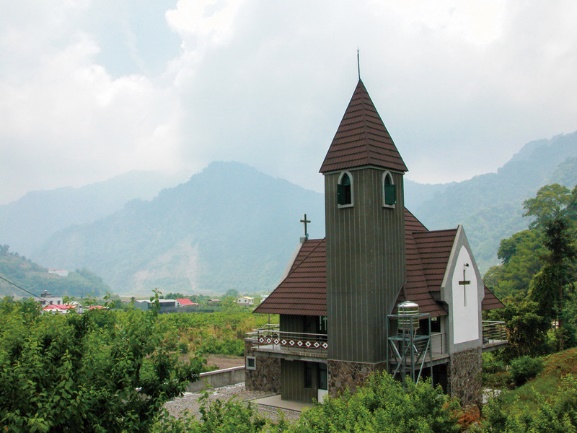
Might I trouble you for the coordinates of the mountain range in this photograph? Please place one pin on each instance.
(232, 227)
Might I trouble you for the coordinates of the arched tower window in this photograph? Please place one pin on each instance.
(345, 189)
(389, 190)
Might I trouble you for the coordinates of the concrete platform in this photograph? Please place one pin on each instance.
(276, 401)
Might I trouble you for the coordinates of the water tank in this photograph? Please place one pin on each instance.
(408, 313)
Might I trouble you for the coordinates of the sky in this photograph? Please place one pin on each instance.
(93, 89)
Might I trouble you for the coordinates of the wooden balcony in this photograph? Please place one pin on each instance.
(301, 345)
(288, 345)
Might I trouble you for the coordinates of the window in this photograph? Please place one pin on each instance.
(250, 363)
(389, 190)
(345, 190)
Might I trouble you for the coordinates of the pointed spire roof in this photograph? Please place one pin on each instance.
(362, 138)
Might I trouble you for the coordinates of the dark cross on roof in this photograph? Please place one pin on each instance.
(305, 221)
(465, 283)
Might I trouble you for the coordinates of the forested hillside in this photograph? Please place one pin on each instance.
(490, 206)
(229, 227)
(35, 279)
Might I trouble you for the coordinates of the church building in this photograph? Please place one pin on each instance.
(379, 292)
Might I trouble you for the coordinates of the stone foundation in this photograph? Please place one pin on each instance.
(464, 376)
(266, 376)
(344, 375)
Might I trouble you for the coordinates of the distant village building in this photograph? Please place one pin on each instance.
(61, 309)
(379, 292)
(47, 299)
(165, 305)
(245, 300)
(185, 302)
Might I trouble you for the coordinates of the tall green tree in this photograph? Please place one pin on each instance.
(552, 210)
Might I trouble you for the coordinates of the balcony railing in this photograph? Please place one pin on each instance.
(439, 343)
(494, 333)
(271, 338)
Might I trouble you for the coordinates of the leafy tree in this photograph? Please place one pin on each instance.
(384, 405)
(100, 371)
(550, 203)
(527, 328)
(552, 208)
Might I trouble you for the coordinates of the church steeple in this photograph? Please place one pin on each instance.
(365, 226)
(362, 139)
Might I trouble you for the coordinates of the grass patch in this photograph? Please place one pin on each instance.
(529, 397)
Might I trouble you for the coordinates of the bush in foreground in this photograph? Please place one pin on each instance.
(381, 405)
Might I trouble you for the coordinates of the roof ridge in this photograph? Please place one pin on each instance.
(318, 243)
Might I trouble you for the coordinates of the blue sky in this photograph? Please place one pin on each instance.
(92, 89)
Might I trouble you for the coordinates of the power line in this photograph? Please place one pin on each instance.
(18, 287)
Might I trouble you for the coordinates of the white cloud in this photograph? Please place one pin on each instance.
(266, 83)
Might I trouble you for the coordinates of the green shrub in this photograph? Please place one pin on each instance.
(525, 368)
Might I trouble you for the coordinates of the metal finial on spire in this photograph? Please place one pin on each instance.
(359, 63)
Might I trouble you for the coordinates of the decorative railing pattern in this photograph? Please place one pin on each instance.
(271, 336)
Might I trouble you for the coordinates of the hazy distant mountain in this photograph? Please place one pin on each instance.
(27, 223)
(229, 227)
(490, 206)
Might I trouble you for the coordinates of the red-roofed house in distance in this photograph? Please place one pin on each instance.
(60, 308)
(379, 292)
(185, 302)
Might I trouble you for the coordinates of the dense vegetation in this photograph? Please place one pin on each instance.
(381, 405)
(34, 278)
(102, 371)
(538, 276)
(547, 403)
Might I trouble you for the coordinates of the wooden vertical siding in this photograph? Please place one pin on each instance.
(290, 323)
(293, 382)
(365, 265)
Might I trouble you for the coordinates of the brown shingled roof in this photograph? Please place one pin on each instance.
(417, 284)
(304, 290)
(490, 301)
(434, 249)
(362, 138)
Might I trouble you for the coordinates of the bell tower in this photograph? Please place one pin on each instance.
(365, 241)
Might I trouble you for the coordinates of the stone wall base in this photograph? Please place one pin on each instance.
(343, 375)
(464, 376)
(266, 375)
